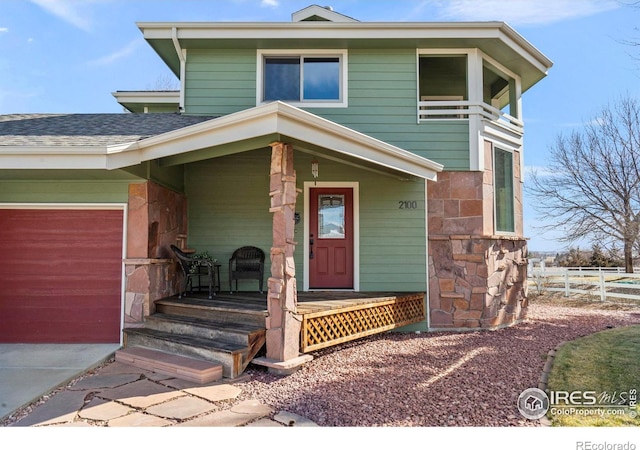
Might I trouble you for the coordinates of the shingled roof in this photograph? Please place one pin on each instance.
(69, 130)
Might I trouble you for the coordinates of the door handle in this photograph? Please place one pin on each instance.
(311, 246)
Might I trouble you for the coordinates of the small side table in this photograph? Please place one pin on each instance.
(202, 272)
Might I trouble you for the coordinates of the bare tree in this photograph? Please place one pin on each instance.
(592, 186)
(165, 82)
(633, 42)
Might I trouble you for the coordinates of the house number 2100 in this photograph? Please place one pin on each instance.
(407, 204)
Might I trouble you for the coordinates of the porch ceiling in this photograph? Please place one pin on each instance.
(260, 126)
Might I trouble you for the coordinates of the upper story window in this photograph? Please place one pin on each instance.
(304, 79)
(503, 186)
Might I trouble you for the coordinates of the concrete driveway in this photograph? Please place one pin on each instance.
(29, 371)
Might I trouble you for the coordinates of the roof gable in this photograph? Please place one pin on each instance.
(315, 13)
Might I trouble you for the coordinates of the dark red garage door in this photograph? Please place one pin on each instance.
(60, 275)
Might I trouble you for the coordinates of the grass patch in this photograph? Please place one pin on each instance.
(605, 362)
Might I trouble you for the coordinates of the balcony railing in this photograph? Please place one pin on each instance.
(463, 110)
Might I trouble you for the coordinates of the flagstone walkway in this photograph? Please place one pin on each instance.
(120, 395)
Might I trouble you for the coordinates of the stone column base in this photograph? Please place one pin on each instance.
(477, 281)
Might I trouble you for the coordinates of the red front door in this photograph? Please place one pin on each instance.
(331, 238)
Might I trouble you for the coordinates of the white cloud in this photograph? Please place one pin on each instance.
(269, 3)
(524, 12)
(4, 30)
(125, 51)
(67, 10)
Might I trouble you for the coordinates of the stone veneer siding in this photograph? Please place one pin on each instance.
(477, 279)
(157, 218)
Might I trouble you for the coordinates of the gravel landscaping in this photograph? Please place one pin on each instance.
(434, 379)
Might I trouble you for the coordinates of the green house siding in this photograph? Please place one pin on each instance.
(229, 208)
(220, 82)
(392, 239)
(58, 191)
(382, 99)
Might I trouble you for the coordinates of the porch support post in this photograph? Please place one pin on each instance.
(283, 324)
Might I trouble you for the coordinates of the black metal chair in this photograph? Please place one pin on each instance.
(186, 261)
(246, 263)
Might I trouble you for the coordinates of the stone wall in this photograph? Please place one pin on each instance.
(477, 279)
(157, 218)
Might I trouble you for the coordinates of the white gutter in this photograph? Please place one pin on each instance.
(182, 56)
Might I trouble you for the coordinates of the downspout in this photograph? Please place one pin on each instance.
(427, 297)
(182, 56)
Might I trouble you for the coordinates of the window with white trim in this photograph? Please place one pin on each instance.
(503, 187)
(314, 79)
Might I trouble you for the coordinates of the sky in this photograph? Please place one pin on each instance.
(68, 56)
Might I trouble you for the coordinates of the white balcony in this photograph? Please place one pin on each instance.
(429, 110)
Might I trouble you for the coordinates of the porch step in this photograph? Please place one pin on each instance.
(238, 333)
(209, 311)
(233, 356)
(191, 369)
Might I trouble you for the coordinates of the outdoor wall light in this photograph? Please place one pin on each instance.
(314, 170)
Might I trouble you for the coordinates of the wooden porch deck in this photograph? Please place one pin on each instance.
(331, 317)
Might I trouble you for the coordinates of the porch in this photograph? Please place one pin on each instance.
(328, 318)
(234, 201)
(231, 328)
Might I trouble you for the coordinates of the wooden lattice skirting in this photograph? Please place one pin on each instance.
(335, 326)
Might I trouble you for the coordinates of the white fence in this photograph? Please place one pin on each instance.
(602, 283)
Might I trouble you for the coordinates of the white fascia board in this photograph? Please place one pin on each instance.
(147, 96)
(46, 157)
(320, 30)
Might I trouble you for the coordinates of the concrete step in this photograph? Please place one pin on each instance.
(191, 369)
(239, 333)
(232, 356)
(208, 311)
